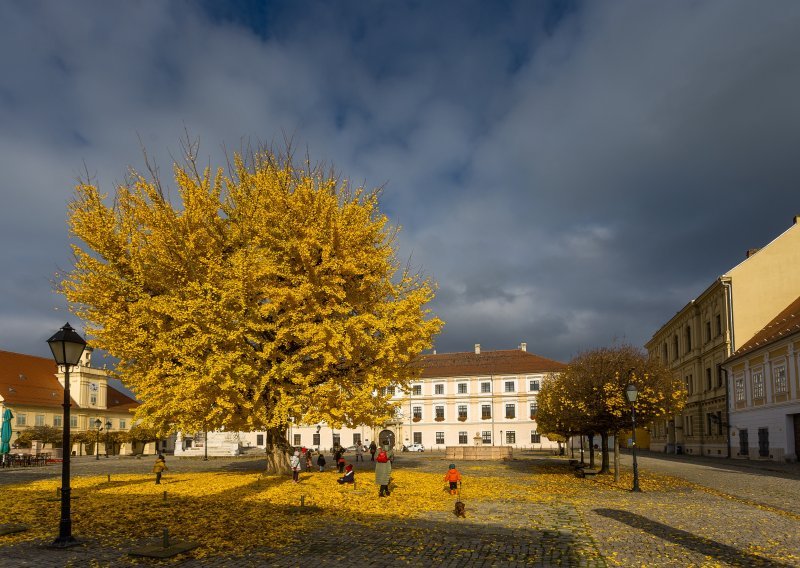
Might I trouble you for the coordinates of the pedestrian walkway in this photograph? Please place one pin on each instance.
(539, 515)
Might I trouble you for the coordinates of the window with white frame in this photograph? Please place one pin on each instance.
(417, 412)
(58, 421)
(416, 390)
(738, 388)
(533, 385)
(511, 437)
(536, 438)
(22, 419)
(73, 421)
(297, 439)
(337, 439)
(486, 411)
(511, 410)
(510, 386)
(486, 387)
(534, 408)
(758, 384)
(486, 436)
(440, 437)
(392, 390)
(779, 378)
(462, 438)
(39, 420)
(417, 437)
(315, 439)
(438, 389)
(122, 424)
(440, 413)
(462, 388)
(462, 412)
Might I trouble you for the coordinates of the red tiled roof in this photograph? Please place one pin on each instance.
(786, 322)
(29, 380)
(504, 362)
(118, 401)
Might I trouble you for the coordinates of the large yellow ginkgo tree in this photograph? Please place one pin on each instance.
(250, 299)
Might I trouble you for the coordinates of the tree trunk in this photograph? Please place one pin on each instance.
(591, 450)
(572, 447)
(277, 452)
(604, 467)
(616, 457)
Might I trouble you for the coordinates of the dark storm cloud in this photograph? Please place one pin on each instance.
(571, 174)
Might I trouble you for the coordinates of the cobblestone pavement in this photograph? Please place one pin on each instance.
(723, 518)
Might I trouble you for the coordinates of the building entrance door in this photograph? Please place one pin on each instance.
(796, 418)
(386, 437)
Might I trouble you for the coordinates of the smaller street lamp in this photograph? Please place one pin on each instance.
(633, 393)
(99, 425)
(108, 427)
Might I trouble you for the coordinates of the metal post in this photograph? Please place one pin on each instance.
(635, 463)
(205, 443)
(65, 538)
(97, 445)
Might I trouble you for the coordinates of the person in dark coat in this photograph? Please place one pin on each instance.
(372, 449)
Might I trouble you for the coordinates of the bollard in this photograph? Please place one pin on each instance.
(58, 492)
(302, 500)
(354, 485)
(165, 496)
(166, 538)
(109, 478)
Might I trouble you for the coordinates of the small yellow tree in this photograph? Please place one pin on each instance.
(262, 296)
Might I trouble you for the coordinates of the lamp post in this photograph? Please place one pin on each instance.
(67, 347)
(632, 393)
(205, 441)
(99, 425)
(108, 427)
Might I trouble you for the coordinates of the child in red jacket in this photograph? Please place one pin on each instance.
(454, 477)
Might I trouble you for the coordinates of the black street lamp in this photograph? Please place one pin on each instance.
(67, 347)
(632, 393)
(99, 425)
(205, 442)
(108, 427)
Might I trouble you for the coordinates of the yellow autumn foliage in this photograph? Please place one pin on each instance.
(258, 297)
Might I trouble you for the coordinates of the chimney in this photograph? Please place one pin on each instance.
(477, 349)
(796, 219)
(523, 346)
(750, 252)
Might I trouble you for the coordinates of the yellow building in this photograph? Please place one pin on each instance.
(705, 332)
(33, 388)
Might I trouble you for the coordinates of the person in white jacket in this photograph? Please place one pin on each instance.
(294, 461)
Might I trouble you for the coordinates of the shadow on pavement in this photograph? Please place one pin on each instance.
(716, 550)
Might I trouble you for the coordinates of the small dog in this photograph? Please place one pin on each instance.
(461, 509)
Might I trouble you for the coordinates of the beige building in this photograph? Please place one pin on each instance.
(33, 388)
(460, 399)
(764, 374)
(704, 333)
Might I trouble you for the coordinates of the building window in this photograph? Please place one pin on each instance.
(357, 439)
(510, 411)
(689, 426)
(534, 408)
(708, 331)
(462, 438)
(758, 384)
(509, 386)
(315, 439)
(392, 390)
(440, 413)
(462, 412)
(710, 423)
(689, 384)
(533, 386)
(93, 388)
(536, 438)
(122, 424)
(719, 423)
(58, 421)
(416, 390)
(486, 436)
(438, 389)
(744, 445)
(708, 378)
(337, 439)
(22, 419)
(260, 440)
(718, 322)
(675, 346)
(486, 411)
(719, 375)
(39, 420)
(486, 387)
(763, 442)
(440, 437)
(664, 356)
(73, 421)
(417, 412)
(462, 388)
(511, 437)
(417, 437)
(297, 439)
(688, 338)
(738, 389)
(779, 376)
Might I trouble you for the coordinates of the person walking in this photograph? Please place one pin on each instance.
(372, 449)
(294, 461)
(309, 457)
(321, 461)
(383, 473)
(359, 452)
(453, 477)
(158, 467)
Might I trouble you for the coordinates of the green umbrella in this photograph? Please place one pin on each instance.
(5, 432)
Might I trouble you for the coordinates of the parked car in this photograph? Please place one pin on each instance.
(416, 448)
